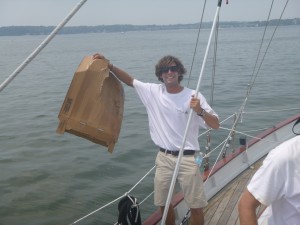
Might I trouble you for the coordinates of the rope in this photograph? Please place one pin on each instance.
(108, 204)
(98, 209)
(270, 39)
(271, 110)
(148, 196)
(239, 132)
(254, 76)
(214, 64)
(41, 46)
(217, 159)
(215, 53)
(245, 134)
(293, 128)
(260, 47)
(207, 155)
(135, 205)
(197, 41)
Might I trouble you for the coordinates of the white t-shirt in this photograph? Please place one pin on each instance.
(277, 183)
(168, 115)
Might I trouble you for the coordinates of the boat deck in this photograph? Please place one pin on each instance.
(222, 209)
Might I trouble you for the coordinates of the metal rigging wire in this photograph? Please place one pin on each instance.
(197, 41)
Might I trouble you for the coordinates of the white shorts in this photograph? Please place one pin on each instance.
(189, 179)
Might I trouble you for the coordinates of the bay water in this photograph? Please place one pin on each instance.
(47, 179)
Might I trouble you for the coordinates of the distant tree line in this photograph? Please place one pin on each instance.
(45, 30)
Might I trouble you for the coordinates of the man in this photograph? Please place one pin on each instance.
(168, 105)
(276, 183)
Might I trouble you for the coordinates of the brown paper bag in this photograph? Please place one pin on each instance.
(93, 106)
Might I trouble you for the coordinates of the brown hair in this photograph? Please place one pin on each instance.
(166, 61)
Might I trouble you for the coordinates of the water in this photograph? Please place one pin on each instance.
(50, 179)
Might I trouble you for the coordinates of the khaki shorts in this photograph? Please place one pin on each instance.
(189, 179)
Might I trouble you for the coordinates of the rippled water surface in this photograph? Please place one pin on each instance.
(50, 179)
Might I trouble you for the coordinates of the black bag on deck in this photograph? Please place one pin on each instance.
(129, 211)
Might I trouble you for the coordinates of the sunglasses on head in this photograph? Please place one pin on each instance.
(166, 69)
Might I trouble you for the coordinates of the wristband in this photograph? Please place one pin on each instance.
(202, 113)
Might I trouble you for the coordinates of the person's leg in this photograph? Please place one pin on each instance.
(191, 183)
(170, 220)
(164, 172)
(197, 216)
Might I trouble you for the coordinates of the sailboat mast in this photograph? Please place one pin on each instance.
(190, 116)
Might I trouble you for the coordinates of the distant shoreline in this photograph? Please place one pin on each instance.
(45, 30)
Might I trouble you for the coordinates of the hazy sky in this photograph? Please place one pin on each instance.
(137, 12)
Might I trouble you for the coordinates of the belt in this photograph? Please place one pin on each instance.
(175, 153)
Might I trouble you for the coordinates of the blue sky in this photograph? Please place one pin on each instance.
(138, 12)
